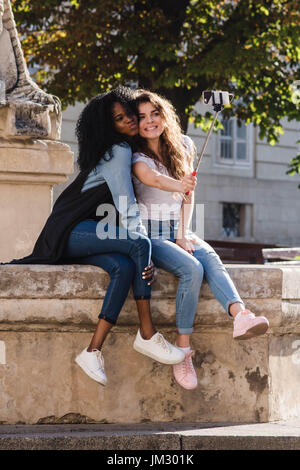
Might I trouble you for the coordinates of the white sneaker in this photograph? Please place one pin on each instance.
(92, 363)
(158, 348)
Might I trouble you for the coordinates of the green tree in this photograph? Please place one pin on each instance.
(294, 167)
(248, 47)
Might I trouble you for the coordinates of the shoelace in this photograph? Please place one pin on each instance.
(187, 364)
(160, 340)
(247, 313)
(99, 357)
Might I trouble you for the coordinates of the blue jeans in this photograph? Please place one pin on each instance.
(122, 257)
(190, 269)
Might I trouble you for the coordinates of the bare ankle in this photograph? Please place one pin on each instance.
(183, 341)
(236, 308)
(147, 334)
(91, 348)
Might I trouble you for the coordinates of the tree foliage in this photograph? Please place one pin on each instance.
(294, 167)
(248, 47)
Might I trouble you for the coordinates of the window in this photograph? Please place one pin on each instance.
(237, 220)
(234, 144)
(231, 221)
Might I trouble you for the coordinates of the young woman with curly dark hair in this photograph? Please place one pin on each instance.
(77, 230)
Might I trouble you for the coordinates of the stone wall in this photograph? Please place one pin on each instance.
(48, 314)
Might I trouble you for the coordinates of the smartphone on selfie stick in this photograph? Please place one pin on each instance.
(217, 99)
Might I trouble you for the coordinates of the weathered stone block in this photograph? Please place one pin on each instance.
(28, 170)
(48, 314)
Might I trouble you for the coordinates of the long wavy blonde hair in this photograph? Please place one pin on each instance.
(174, 154)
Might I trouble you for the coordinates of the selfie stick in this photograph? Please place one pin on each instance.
(217, 108)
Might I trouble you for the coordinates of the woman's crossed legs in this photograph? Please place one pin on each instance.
(191, 269)
(85, 246)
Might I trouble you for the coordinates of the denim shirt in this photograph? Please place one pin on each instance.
(116, 172)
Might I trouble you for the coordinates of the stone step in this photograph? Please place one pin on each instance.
(152, 436)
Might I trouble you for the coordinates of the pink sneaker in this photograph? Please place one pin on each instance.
(184, 372)
(248, 325)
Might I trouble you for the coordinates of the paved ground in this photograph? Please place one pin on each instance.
(152, 436)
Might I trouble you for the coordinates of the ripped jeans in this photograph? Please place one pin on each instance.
(190, 270)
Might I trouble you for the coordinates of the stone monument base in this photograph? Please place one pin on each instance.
(48, 315)
(29, 168)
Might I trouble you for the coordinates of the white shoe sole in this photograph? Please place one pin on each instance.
(156, 358)
(89, 372)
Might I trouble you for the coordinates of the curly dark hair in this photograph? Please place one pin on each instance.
(95, 130)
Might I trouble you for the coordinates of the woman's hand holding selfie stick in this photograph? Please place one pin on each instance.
(189, 183)
(218, 99)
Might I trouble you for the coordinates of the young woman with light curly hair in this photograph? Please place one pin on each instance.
(163, 160)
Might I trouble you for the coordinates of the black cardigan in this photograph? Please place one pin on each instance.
(70, 208)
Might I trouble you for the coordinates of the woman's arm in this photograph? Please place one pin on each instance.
(117, 174)
(154, 178)
(186, 214)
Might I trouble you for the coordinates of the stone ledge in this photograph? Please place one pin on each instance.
(78, 281)
(68, 297)
(41, 158)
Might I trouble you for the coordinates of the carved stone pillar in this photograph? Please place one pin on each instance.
(32, 160)
(29, 168)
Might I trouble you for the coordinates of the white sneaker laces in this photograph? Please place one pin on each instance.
(99, 357)
(160, 340)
